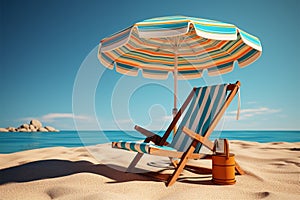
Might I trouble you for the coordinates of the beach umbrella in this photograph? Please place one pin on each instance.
(180, 45)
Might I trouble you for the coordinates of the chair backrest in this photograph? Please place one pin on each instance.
(203, 108)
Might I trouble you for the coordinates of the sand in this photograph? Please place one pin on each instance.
(97, 172)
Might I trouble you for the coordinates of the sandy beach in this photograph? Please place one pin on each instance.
(273, 172)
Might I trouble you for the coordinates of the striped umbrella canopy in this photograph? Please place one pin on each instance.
(183, 46)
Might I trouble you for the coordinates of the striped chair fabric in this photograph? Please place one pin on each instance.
(203, 108)
(140, 147)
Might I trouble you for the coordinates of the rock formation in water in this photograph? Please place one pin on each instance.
(34, 126)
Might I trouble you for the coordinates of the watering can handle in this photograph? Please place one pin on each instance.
(226, 148)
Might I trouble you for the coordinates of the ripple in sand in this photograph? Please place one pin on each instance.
(261, 195)
(56, 192)
(295, 149)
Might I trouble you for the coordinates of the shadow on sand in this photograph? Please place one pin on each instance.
(44, 169)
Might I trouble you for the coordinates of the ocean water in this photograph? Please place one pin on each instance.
(14, 142)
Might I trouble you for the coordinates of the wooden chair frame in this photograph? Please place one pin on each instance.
(189, 153)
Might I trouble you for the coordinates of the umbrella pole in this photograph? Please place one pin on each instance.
(174, 111)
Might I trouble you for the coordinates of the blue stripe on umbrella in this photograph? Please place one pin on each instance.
(248, 55)
(148, 71)
(220, 67)
(250, 38)
(215, 29)
(161, 27)
(127, 67)
(190, 72)
(106, 58)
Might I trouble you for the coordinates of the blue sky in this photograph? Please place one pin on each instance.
(49, 68)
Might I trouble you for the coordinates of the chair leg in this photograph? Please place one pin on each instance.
(134, 162)
(137, 158)
(174, 162)
(182, 164)
(239, 169)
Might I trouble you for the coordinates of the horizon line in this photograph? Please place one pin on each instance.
(214, 130)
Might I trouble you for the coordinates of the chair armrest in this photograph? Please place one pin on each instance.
(150, 135)
(143, 131)
(205, 141)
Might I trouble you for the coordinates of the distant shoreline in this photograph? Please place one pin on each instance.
(269, 130)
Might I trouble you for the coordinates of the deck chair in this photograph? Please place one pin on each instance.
(206, 105)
